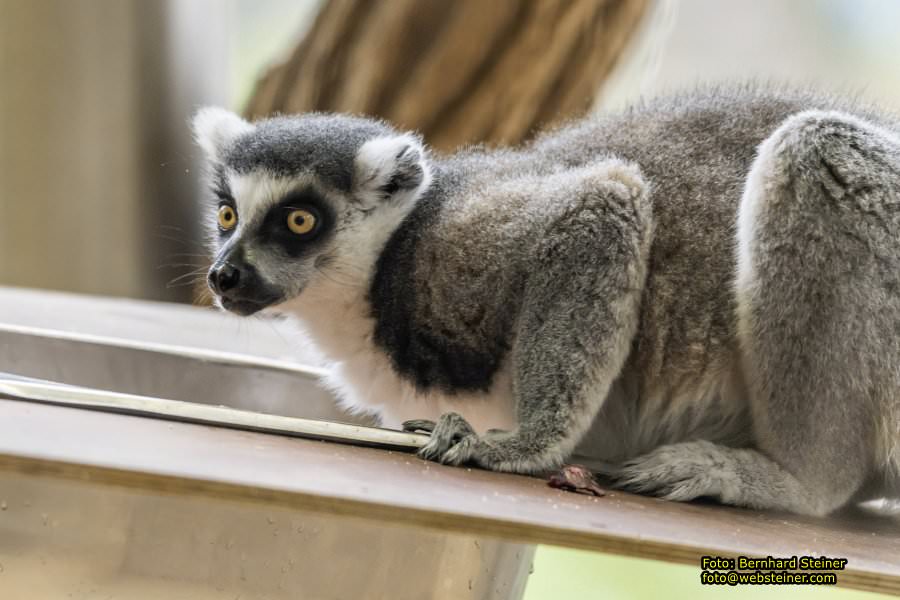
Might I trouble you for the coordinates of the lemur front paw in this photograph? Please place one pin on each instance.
(450, 431)
(454, 442)
(679, 472)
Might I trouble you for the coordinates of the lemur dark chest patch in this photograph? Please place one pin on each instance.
(425, 354)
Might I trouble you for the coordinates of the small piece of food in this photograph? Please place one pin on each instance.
(576, 478)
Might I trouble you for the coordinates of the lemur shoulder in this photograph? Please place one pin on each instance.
(698, 293)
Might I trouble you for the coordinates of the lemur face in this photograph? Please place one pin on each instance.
(298, 201)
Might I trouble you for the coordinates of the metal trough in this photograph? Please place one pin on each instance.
(91, 541)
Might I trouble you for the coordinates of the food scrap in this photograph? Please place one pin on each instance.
(576, 478)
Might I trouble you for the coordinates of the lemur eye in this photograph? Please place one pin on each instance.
(301, 221)
(227, 217)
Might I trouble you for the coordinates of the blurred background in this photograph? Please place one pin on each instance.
(98, 175)
(99, 179)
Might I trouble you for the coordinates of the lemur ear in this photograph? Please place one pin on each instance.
(215, 128)
(389, 165)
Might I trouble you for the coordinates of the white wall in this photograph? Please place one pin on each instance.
(834, 44)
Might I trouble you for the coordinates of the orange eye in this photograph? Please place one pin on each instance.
(301, 221)
(227, 217)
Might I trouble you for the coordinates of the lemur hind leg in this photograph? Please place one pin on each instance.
(578, 316)
(818, 314)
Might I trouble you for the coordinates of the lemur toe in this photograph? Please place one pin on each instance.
(462, 452)
(678, 472)
(449, 431)
(423, 425)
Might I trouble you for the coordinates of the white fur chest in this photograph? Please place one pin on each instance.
(362, 377)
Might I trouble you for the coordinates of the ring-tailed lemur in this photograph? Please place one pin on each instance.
(703, 291)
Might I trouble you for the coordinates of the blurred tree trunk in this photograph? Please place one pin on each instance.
(458, 71)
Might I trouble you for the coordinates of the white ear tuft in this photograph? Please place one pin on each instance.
(388, 165)
(215, 128)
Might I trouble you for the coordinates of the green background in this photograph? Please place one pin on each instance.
(563, 574)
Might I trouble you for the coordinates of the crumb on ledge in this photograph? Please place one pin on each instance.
(576, 478)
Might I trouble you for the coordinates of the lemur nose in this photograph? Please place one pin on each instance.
(224, 278)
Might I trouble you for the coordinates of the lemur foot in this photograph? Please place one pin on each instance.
(450, 431)
(451, 438)
(454, 442)
(679, 472)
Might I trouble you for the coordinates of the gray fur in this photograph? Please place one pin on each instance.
(700, 292)
(324, 143)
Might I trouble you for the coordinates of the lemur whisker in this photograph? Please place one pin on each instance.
(333, 279)
(193, 277)
(203, 297)
(179, 265)
(193, 282)
(183, 241)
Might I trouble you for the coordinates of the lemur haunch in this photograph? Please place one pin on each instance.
(702, 292)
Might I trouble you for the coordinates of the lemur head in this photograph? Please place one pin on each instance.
(293, 197)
